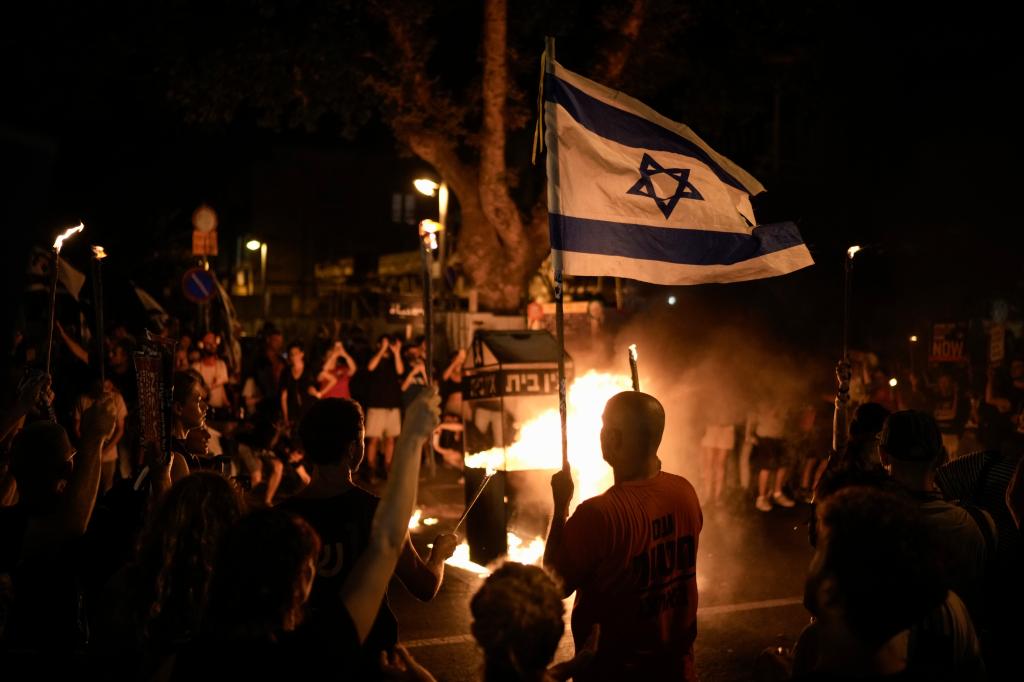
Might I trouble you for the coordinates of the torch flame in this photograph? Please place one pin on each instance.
(414, 521)
(632, 351)
(99, 253)
(538, 447)
(538, 443)
(852, 251)
(68, 233)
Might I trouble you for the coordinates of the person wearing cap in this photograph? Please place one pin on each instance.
(911, 450)
(862, 447)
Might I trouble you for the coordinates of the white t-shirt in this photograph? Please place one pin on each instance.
(215, 376)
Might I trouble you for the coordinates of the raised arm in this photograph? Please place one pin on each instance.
(456, 362)
(375, 360)
(352, 366)
(366, 584)
(76, 505)
(562, 489)
(328, 380)
(75, 347)
(396, 350)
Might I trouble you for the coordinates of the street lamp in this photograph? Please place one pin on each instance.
(257, 245)
(426, 186)
(430, 188)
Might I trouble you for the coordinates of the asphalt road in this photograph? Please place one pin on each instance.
(750, 570)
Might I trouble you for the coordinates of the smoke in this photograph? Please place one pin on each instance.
(715, 374)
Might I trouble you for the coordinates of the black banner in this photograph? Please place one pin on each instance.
(511, 382)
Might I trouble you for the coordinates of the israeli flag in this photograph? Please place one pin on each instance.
(633, 194)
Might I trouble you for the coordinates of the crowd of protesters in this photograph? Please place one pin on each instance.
(252, 548)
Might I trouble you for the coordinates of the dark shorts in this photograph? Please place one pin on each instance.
(769, 453)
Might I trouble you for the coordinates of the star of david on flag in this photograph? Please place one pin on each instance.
(634, 194)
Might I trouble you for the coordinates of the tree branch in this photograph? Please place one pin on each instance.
(610, 70)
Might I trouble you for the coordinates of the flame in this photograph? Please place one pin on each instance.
(518, 550)
(68, 233)
(632, 351)
(414, 520)
(460, 559)
(99, 253)
(430, 521)
(539, 443)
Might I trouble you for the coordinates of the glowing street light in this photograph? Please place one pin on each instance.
(426, 186)
(429, 230)
(261, 246)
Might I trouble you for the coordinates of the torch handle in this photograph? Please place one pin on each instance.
(479, 491)
(53, 308)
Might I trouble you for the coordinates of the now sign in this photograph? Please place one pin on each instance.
(949, 343)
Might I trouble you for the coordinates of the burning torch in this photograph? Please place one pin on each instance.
(633, 369)
(98, 254)
(843, 371)
(58, 244)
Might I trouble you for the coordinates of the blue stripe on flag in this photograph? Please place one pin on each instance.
(627, 128)
(670, 245)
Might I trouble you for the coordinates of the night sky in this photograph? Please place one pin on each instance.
(895, 128)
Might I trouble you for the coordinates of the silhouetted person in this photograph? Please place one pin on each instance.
(630, 553)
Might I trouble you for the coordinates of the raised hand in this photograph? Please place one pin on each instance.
(444, 547)
(423, 414)
(562, 489)
(35, 390)
(99, 420)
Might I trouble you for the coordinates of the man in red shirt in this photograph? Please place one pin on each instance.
(630, 553)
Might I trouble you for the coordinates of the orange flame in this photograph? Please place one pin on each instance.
(539, 443)
(68, 233)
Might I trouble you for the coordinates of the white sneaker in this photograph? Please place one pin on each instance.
(783, 500)
(763, 504)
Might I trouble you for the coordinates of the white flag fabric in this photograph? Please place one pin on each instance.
(634, 194)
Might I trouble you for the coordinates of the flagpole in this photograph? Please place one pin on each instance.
(556, 254)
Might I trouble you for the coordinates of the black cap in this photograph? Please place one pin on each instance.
(868, 419)
(911, 435)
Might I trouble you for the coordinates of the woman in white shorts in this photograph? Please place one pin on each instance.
(718, 441)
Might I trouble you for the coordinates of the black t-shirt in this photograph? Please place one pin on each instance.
(299, 399)
(385, 388)
(343, 523)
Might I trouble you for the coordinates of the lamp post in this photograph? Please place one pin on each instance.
(430, 188)
(257, 245)
(428, 232)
